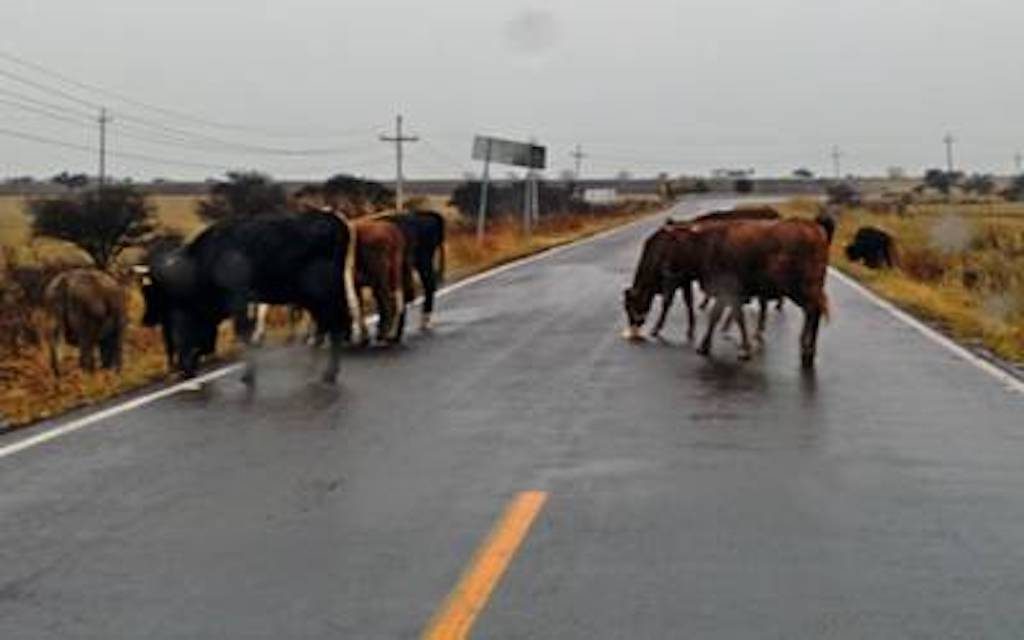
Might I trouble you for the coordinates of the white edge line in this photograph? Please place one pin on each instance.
(134, 403)
(141, 401)
(1012, 382)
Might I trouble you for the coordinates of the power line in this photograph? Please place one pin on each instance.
(43, 111)
(173, 113)
(120, 154)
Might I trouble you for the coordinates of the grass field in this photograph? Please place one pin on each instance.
(961, 267)
(29, 391)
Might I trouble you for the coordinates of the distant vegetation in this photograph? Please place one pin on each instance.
(102, 222)
(243, 193)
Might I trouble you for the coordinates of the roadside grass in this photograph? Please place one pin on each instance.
(30, 392)
(961, 267)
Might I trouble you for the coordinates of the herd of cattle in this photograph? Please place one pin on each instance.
(736, 257)
(319, 262)
(316, 261)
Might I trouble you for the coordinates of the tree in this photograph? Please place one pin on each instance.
(358, 194)
(981, 183)
(844, 194)
(1015, 192)
(244, 193)
(941, 180)
(70, 181)
(102, 222)
(803, 173)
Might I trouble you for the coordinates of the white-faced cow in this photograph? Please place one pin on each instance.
(306, 260)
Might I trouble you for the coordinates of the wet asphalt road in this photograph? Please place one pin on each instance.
(881, 497)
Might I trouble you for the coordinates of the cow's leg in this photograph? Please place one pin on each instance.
(667, 297)
(809, 335)
(762, 319)
(716, 315)
(384, 301)
(691, 319)
(87, 344)
(707, 300)
(428, 278)
(741, 322)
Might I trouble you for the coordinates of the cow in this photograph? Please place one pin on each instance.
(306, 260)
(664, 268)
(763, 259)
(87, 309)
(381, 265)
(424, 233)
(872, 246)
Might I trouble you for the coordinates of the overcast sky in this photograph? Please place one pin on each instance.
(645, 85)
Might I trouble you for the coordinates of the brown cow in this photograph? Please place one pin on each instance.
(381, 265)
(666, 266)
(764, 259)
(87, 310)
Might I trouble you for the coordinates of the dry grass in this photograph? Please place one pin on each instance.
(29, 391)
(961, 267)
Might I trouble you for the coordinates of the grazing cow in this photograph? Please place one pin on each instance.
(763, 259)
(381, 265)
(872, 246)
(87, 309)
(666, 266)
(306, 260)
(424, 233)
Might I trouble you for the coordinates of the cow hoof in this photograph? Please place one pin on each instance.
(425, 323)
(329, 379)
(807, 361)
(704, 350)
(633, 334)
(745, 355)
(249, 377)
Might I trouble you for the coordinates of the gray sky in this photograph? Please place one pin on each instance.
(647, 86)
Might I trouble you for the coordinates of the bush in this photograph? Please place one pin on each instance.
(924, 264)
(244, 193)
(102, 222)
(506, 199)
(362, 196)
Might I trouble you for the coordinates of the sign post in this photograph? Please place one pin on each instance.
(520, 154)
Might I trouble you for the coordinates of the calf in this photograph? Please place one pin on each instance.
(424, 233)
(87, 310)
(763, 259)
(872, 246)
(665, 266)
(306, 260)
(381, 265)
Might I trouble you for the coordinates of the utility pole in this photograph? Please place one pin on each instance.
(103, 120)
(1018, 161)
(398, 139)
(836, 155)
(578, 155)
(949, 140)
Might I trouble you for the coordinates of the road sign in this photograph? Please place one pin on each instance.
(519, 154)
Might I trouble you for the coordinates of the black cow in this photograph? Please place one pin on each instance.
(873, 247)
(424, 239)
(305, 260)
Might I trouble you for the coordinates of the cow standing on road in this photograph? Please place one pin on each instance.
(381, 265)
(764, 259)
(87, 309)
(424, 233)
(667, 266)
(306, 260)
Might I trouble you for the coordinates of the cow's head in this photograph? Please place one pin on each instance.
(853, 252)
(637, 306)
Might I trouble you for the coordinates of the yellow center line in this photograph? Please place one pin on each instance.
(460, 609)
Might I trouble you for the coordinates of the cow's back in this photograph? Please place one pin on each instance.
(264, 255)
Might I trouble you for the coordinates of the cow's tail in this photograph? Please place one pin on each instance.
(828, 224)
(441, 248)
(61, 320)
(355, 309)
